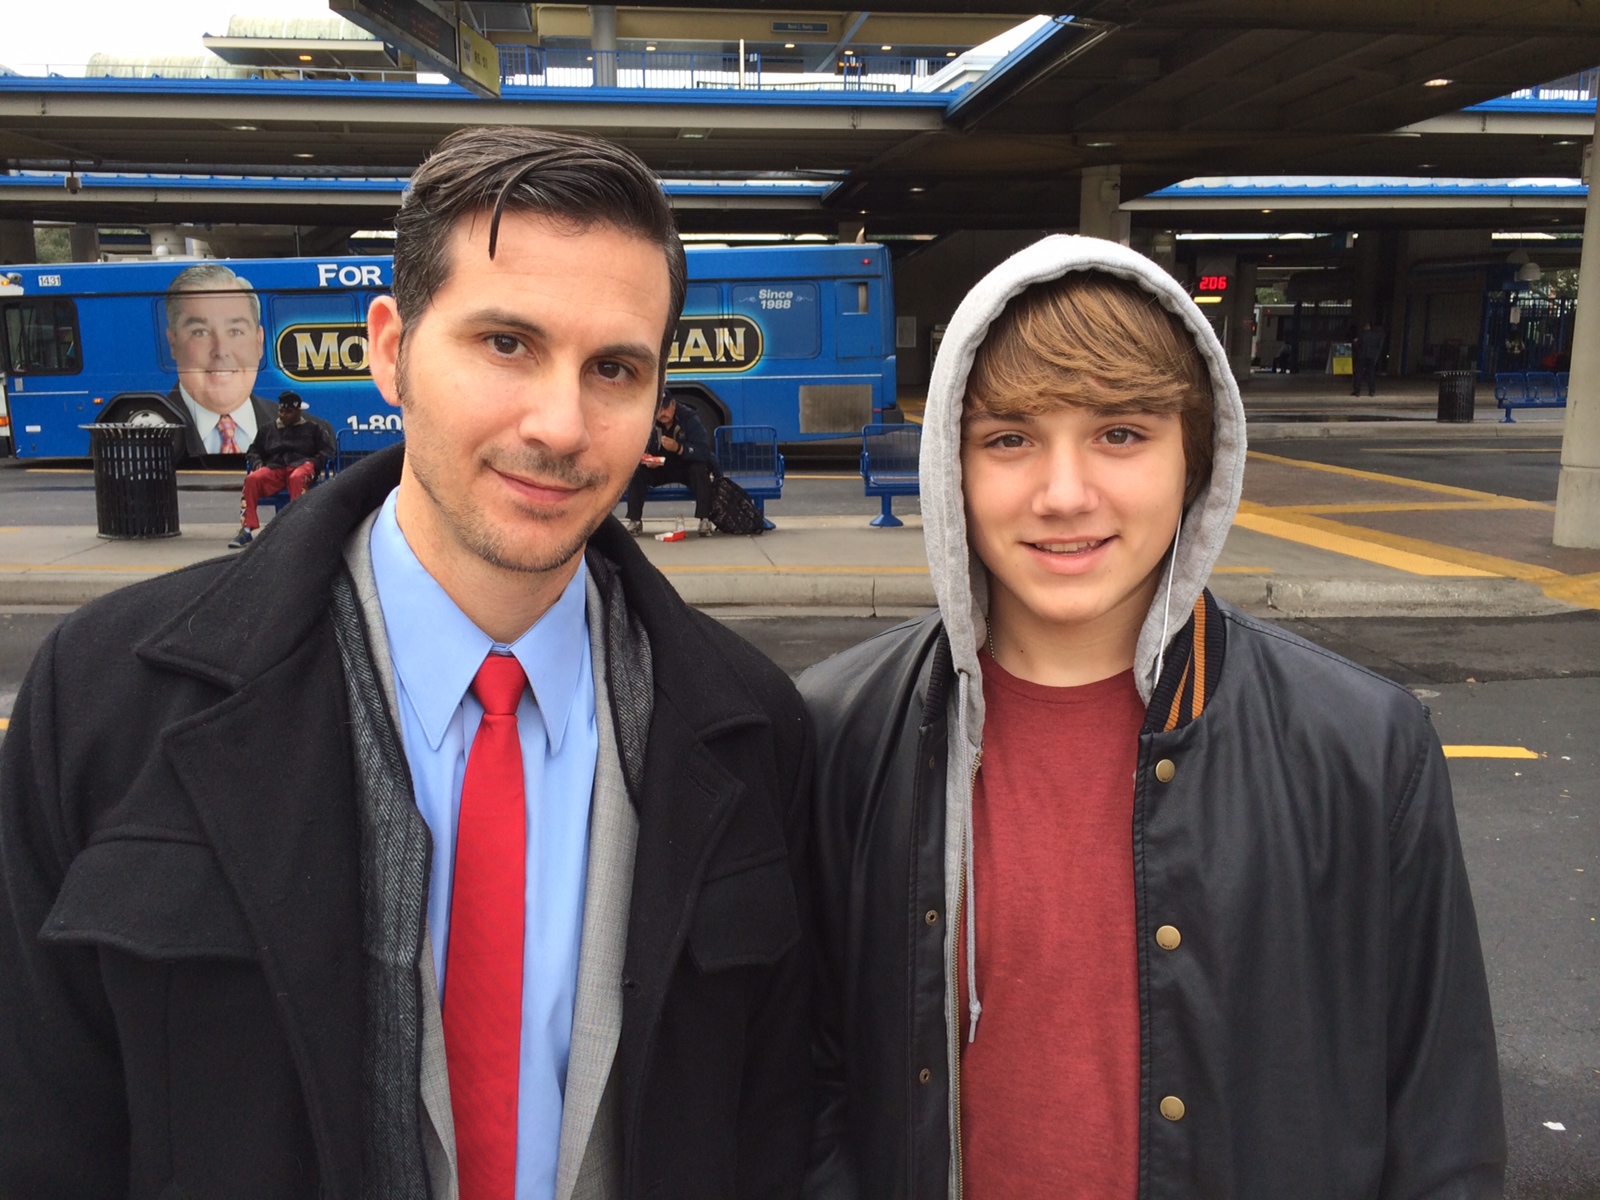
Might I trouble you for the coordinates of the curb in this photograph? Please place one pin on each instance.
(1285, 431)
(1268, 596)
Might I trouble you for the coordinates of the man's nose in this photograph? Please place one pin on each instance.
(553, 414)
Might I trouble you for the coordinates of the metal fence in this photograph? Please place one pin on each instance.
(538, 66)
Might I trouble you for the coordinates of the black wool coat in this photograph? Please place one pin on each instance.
(181, 1005)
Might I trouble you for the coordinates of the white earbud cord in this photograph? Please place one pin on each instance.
(1166, 610)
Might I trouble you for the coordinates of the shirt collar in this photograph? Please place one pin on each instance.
(205, 420)
(437, 650)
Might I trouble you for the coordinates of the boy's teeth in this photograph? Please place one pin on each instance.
(1068, 547)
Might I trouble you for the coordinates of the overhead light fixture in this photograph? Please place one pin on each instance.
(1426, 166)
(305, 58)
(244, 128)
(788, 45)
(1564, 142)
(916, 187)
(1438, 82)
(650, 47)
(1098, 145)
(949, 53)
(1264, 211)
(1208, 299)
(885, 47)
(863, 212)
(692, 134)
(304, 154)
(849, 53)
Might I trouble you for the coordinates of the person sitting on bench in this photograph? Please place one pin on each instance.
(679, 451)
(289, 453)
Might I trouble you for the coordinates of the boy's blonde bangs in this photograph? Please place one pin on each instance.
(1093, 340)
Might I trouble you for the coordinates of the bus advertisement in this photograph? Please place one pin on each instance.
(800, 338)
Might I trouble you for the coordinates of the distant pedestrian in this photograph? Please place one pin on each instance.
(1118, 891)
(679, 452)
(287, 454)
(1369, 349)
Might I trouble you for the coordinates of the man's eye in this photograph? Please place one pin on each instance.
(504, 343)
(611, 370)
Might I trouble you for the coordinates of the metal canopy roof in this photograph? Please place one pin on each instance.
(1168, 90)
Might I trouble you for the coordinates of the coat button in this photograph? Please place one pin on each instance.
(1165, 770)
(1168, 937)
(931, 916)
(1172, 1108)
(924, 1075)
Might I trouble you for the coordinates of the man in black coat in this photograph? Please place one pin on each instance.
(220, 838)
(287, 454)
(679, 452)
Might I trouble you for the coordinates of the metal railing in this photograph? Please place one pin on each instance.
(538, 66)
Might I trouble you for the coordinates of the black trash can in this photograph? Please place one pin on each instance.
(1457, 395)
(135, 480)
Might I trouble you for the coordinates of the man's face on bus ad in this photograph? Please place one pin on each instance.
(216, 341)
(529, 385)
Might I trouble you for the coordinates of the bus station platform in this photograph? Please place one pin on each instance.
(1312, 539)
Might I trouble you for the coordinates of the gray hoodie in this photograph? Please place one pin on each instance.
(960, 581)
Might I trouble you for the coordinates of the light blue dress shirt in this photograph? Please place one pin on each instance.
(437, 651)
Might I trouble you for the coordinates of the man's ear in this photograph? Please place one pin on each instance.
(384, 331)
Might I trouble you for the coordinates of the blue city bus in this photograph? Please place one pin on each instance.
(798, 337)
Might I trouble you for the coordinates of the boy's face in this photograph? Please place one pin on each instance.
(1073, 511)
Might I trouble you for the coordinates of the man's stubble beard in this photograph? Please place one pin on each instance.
(468, 527)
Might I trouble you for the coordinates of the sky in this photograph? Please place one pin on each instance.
(64, 33)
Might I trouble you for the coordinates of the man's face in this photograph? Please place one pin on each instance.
(528, 386)
(1072, 511)
(665, 414)
(216, 342)
(289, 414)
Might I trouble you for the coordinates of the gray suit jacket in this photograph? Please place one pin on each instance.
(589, 1163)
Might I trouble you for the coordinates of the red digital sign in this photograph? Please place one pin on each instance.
(1213, 283)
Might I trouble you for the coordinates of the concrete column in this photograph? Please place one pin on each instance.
(1578, 493)
(603, 41)
(1240, 336)
(166, 240)
(16, 242)
(1098, 201)
(85, 243)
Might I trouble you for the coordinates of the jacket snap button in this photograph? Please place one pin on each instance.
(1165, 770)
(924, 1075)
(1168, 937)
(932, 762)
(931, 916)
(1172, 1108)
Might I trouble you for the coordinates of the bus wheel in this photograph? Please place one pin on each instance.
(709, 411)
(146, 408)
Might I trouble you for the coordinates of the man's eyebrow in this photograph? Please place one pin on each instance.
(499, 318)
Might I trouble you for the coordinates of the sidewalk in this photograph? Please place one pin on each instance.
(1311, 540)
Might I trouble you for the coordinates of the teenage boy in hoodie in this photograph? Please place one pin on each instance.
(1122, 893)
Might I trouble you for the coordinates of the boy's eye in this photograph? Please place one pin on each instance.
(1120, 437)
(1007, 441)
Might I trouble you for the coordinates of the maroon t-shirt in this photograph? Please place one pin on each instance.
(1050, 1088)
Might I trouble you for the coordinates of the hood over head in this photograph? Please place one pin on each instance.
(960, 580)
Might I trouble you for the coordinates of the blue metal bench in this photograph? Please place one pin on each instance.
(352, 445)
(746, 454)
(1529, 389)
(889, 456)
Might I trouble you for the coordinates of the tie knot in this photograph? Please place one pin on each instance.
(498, 685)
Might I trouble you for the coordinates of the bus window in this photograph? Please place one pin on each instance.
(41, 337)
(702, 299)
(787, 314)
(319, 308)
(859, 334)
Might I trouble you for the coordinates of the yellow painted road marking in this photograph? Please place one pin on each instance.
(5, 724)
(1332, 510)
(1343, 541)
(1444, 489)
(1463, 449)
(1487, 564)
(1489, 752)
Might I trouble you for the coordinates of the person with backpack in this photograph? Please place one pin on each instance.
(1118, 891)
(679, 452)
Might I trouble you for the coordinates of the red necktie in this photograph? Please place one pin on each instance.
(226, 428)
(483, 958)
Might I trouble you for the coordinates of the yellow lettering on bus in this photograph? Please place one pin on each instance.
(730, 341)
(696, 346)
(313, 356)
(353, 353)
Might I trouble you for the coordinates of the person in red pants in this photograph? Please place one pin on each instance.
(289, 453)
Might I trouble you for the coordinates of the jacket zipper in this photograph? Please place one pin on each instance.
(955, 1025)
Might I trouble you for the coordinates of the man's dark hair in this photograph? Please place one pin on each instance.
(581, 181)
